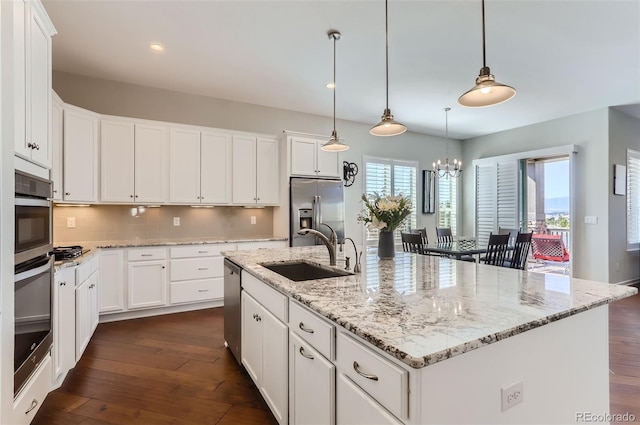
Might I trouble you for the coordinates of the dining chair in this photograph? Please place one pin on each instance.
(412, 242)
(518, 259)
(444, 234)
(423, 233)
(496, 249)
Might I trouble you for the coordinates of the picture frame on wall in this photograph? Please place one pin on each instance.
(619, 179)
(428, 192)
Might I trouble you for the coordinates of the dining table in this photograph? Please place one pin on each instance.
(457, 248)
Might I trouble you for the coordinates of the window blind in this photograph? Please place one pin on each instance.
(633, 199)
(486, 204)
(496, 198)
(448, 203)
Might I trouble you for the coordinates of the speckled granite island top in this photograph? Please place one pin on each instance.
(423, 309)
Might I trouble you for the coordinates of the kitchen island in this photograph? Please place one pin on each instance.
(474, 343)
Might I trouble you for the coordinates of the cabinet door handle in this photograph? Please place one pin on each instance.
(55, 190)
(304, 328)
(37, 147)
(130, 196)
(255, 317)
(67, 193)
(306, 356)
(34, 404)
(63, 283)
(259, 319)
(356, 367)
(30, 145)
(163, 267)
(203, 268)
(203, 290)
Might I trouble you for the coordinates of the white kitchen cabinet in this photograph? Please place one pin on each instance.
(80, 154)
(255, 171)
(147, 277)
(311, 384)
(86, 304)
(264, 354)
(31, 397)
(199, 167)
(111, 281)
(64, 321)
(32, 77)
(117, 160)
(57, 108)
(308, 159)
(355, 407)
(151, 163)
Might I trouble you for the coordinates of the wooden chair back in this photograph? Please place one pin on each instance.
(444, 234)
(497, 250)
(423, 234)
(412, 242)
(521, 251)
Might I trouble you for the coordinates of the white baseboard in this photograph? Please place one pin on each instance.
(136, 314)
(629, 282)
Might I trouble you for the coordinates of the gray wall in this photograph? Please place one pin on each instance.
(590, 132)
(624, 133)
(114, 98)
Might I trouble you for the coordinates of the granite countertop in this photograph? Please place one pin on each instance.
(424, 309)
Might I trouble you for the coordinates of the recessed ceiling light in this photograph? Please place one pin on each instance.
(156, 47)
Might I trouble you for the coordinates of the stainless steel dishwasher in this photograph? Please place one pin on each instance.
(232, 309)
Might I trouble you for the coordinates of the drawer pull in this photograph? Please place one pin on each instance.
(203, 252)
(203, 290)
(302, 327)
(146, 255)
(307, 356)
(356, 367)
(34, 404)
(203, 268)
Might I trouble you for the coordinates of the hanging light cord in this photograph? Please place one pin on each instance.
(334, 83)
(484, 53)
(386, 32)
(446, 130)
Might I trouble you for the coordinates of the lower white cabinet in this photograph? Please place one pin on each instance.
(146, 277)
(64, 321)
(32, 396)
(264, 354)
(355, 407)
(86, 306)
(196, 274)
(311, 385)
(111, 280)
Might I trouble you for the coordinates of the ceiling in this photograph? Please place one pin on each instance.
(564, 57)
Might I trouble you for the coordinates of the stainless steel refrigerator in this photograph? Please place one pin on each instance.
(315, 201)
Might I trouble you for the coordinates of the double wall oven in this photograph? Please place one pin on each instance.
(33, 275)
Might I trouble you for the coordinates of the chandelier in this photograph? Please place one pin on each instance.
(447, 169)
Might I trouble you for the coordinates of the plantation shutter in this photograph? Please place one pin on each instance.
(633, 199)
(448, 203)
(496, 198)
(486, 176)
(507, 195)
(404, 183)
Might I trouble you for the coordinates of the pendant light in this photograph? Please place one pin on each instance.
(487, 91)
(446, 169)
(387, 126)
(334, 144)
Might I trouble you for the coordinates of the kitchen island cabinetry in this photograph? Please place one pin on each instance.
(255, 171)
(80, 154)
(265, 343)
(308, 159)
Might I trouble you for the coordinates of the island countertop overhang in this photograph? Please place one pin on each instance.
(425, 309)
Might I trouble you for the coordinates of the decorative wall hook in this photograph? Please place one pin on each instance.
(349, 172)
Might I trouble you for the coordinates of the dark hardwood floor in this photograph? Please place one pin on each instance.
(175, 370)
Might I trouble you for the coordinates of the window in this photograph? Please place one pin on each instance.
(391, 177)
(448, 203)
(633, 199)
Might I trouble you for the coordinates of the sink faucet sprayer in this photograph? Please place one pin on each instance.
(356, 267)
(329, 244)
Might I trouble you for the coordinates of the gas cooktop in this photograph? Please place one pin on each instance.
(66, 252)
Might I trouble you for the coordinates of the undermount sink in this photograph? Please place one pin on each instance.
(300, 271)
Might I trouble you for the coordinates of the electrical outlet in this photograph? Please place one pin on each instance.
(176, 221)
(71, 222)
(590, 219)
(253, 219)
(512, 395)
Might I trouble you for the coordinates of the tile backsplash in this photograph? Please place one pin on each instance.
(117, 222)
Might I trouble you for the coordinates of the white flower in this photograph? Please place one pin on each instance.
(376, 224)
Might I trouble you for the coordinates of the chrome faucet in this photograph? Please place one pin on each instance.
(330, 246)
(356, 267)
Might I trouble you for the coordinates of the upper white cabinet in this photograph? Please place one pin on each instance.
(117, 160)
(80, 154)
(134, 159)
(308, 159)
(32, 76)
(57, 108)
(255, 171)
(199, 167)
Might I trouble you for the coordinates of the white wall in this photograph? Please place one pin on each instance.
(114, 98)
(589, 132)
(624, 133)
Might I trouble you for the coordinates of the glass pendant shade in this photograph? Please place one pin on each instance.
(334, 144)
(486, 92)
(388, 126)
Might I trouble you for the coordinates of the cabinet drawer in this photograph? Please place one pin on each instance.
(191, 251)
(200, 290)
(273, 300)
(138, 254)
(312, 329)
(33, 394)
(354, 406)
(196, 268)
(363, 366)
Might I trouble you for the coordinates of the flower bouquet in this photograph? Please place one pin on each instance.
(385, 214)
